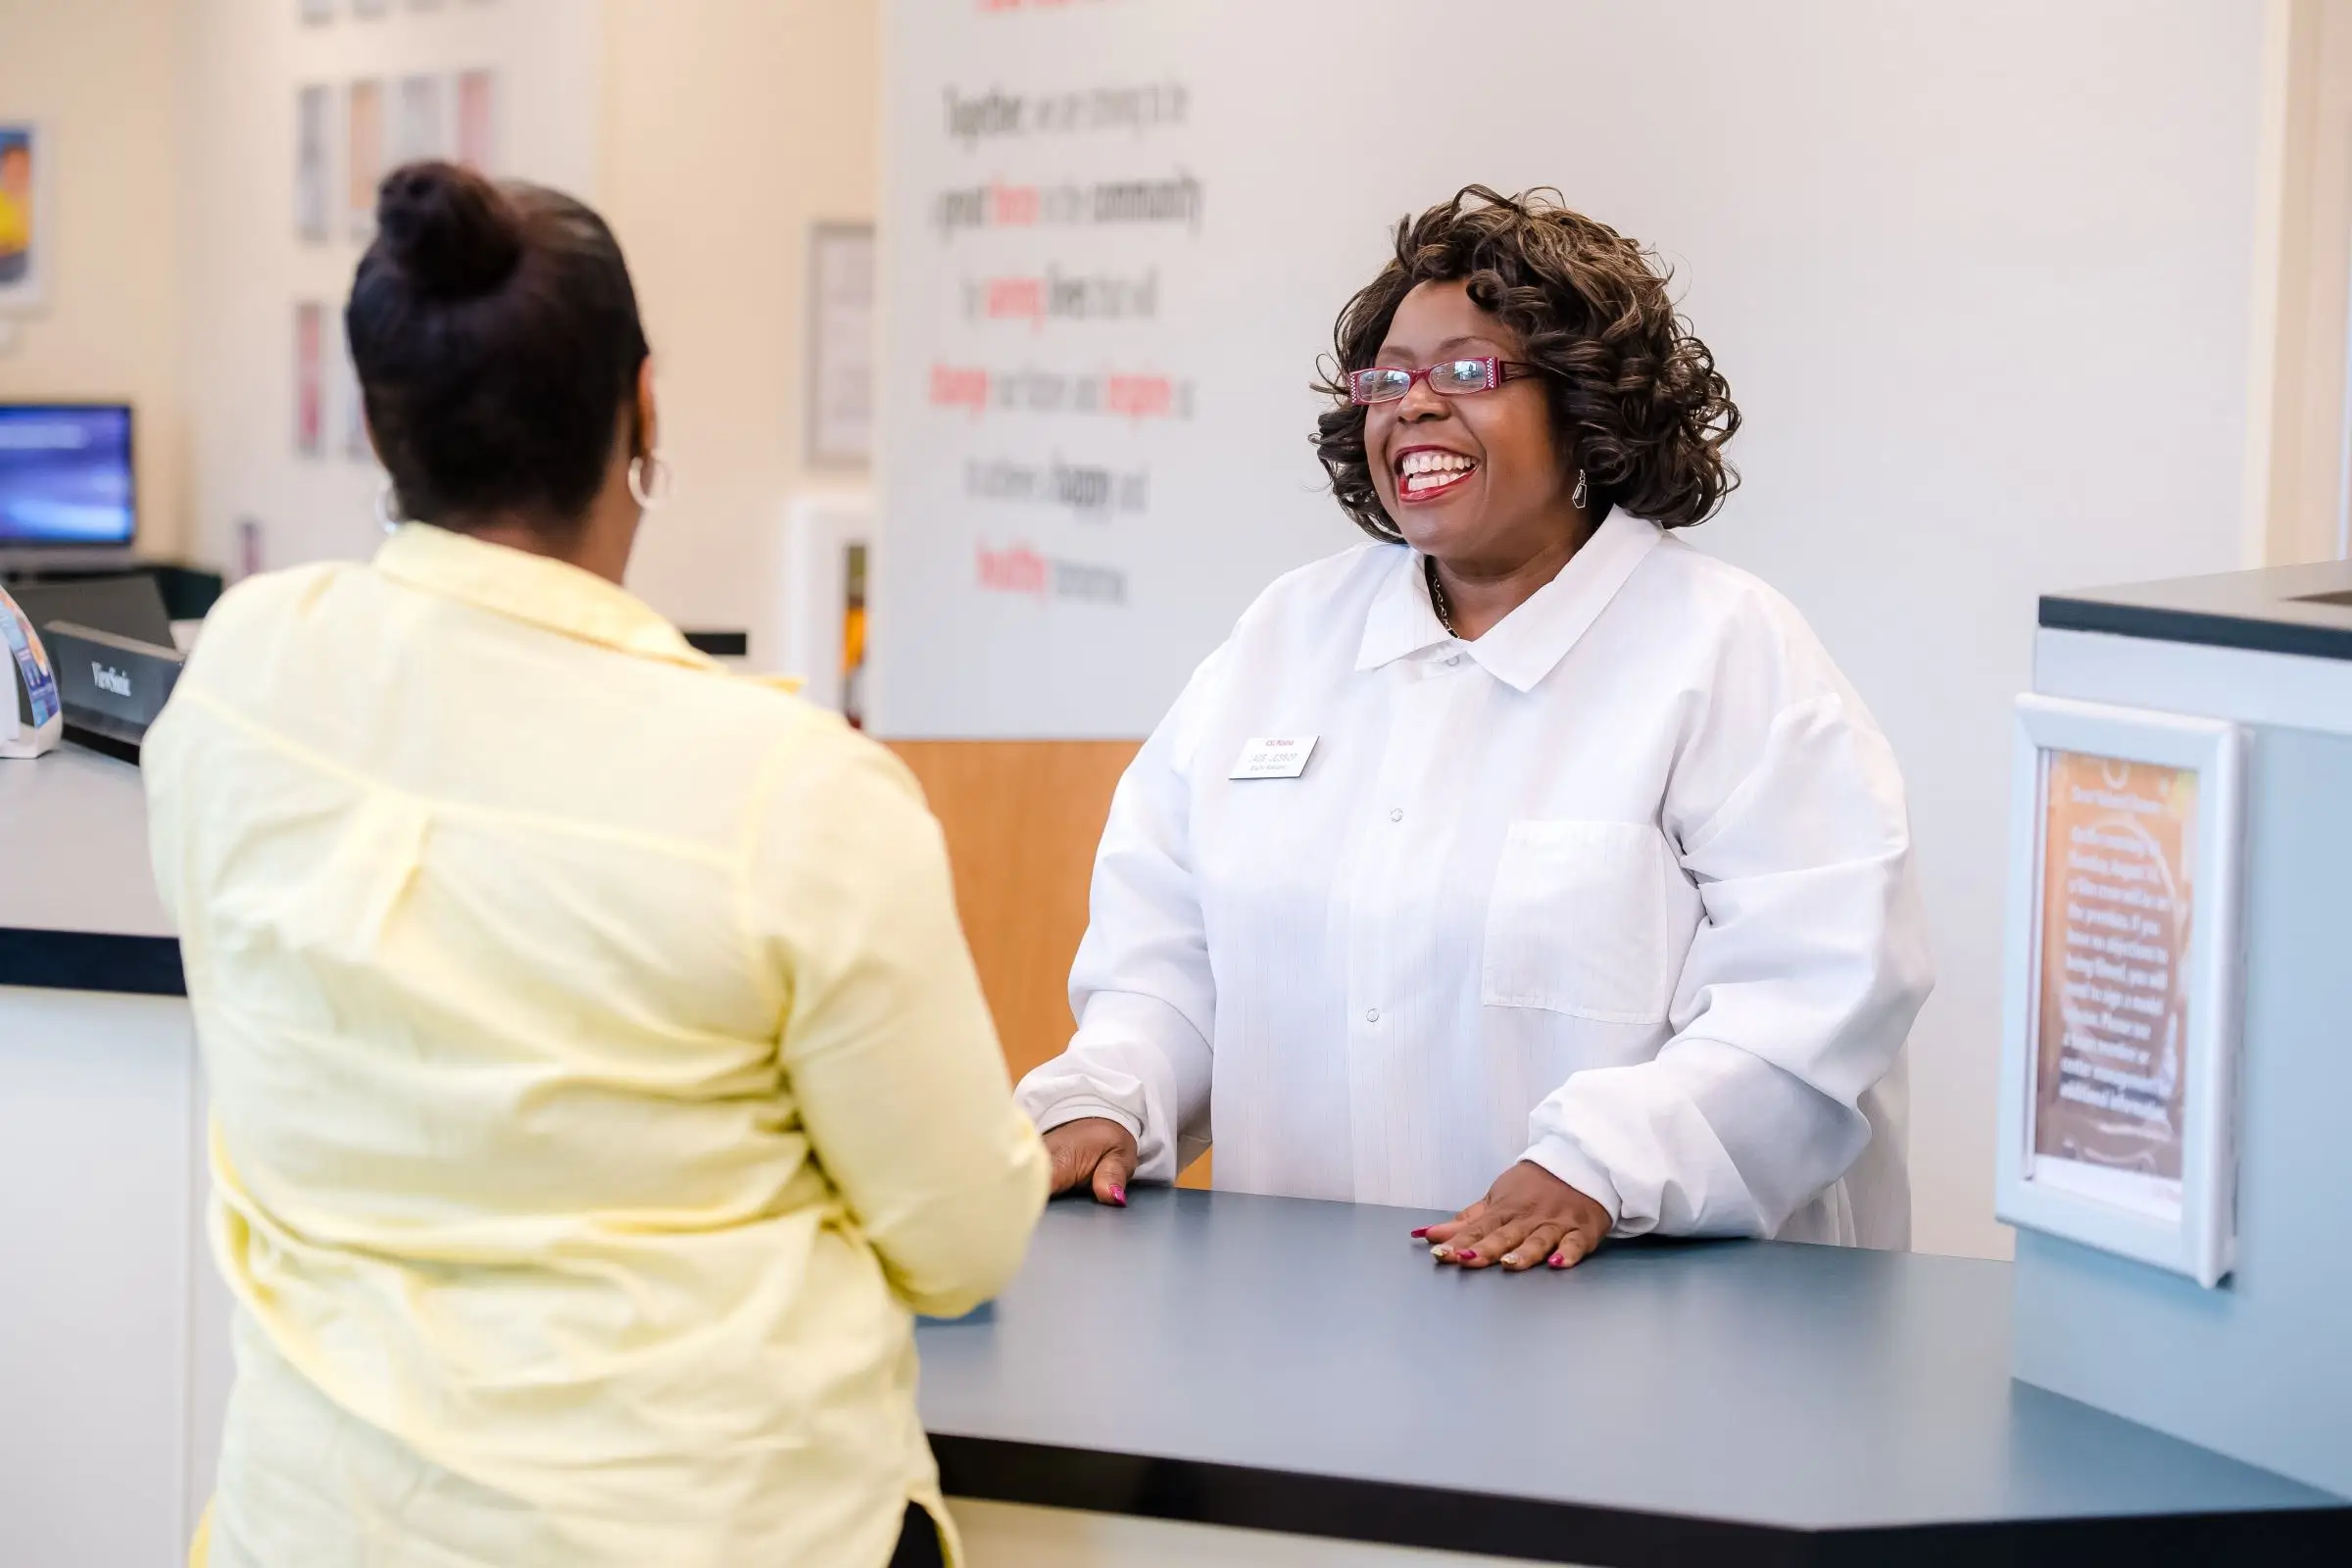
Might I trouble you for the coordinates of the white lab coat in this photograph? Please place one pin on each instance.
(1624, 888)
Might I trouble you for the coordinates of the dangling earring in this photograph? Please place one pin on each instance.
(387, 508)
(1581, 492)
(649, 482)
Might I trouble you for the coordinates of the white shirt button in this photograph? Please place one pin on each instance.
(1396, 815)
(1371, 1015)
(1454, 659)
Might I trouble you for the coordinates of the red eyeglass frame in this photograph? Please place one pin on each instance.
(1498, 371)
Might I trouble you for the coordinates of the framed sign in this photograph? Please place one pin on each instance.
(2123, 969)
(841, 345)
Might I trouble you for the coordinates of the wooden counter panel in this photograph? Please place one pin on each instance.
(1022, 820)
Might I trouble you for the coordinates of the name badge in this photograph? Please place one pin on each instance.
(1273, 759)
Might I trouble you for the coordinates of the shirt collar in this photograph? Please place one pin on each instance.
(536, 589)
(1526, 645)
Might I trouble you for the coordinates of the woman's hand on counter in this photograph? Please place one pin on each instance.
(1528, 1216)
(1092, 1151)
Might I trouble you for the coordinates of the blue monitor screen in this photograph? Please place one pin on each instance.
(65, 474)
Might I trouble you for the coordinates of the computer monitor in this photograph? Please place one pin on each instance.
(65, 476)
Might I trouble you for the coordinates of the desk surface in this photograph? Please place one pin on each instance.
(78, 904)
(2278, 610)
(1298, 1366)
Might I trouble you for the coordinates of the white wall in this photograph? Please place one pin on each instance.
(102, 78)
(1981, 279)
(245, 265)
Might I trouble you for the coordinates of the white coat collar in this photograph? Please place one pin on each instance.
(1526, 645)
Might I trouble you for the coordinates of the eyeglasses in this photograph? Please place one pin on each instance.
(1452, 378)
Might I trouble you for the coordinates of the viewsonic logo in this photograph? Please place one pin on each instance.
(109, 680)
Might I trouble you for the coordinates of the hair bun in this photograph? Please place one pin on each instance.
(451, 232)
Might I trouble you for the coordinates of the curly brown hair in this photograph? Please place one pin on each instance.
(1635, 397)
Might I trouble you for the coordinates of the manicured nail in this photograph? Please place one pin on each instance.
(1559, 1262)
(1467, 1257)
(1441, 1252)
(1423, 1231)
(1510, 1259)
(1118, 1196)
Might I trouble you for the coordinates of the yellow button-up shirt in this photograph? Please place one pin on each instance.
(598, 1076)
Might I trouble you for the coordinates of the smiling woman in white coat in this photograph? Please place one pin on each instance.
(1525, 851)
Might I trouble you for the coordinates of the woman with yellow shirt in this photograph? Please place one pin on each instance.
(600, 1079)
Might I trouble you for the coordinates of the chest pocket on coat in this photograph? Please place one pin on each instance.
(1578, 923)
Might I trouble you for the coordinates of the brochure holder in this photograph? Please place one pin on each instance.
(31, 715)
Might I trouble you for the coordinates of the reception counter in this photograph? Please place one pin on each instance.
(1304, 1369)
(1206, 1378)
(113, 1360)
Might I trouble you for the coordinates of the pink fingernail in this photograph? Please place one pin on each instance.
(1467, 1257)
(1557, 1261)
(1118, 1196)
(1423, 1231)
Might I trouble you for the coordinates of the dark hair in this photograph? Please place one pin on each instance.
(495, 333)
(1634, 396)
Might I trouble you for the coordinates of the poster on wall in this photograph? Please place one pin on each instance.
(310, 380)
(23, 215)
(418, 126)
(2122, 927)
(478, 120)
(841, 345)
(1053, 466)
(316, 11)
(365, 146)
(313, 163)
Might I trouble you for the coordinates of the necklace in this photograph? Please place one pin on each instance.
(1437, 597)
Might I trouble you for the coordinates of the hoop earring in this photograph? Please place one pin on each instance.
(387, 508)
(650, 483)
(1581, 493)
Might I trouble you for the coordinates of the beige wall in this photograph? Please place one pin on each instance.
(729, 128)
(102, 78)
(713, 135)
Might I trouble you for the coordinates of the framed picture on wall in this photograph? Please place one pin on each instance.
(419, 129)
(370, 7)
(25, 224)
(313, 163)
(363, 149)
(841, 345)
(350, 408)
(2123, 982)
(478, 119)
(316, 10)
(310, 380)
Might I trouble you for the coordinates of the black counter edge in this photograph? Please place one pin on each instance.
(1432, 1518)
(91, 961)
(2201, 627)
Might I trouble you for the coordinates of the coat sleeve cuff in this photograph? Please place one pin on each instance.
(1570, 1163)
(1078, 1107)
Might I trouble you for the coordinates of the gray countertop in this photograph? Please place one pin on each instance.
(1303, 1366)
(2278, 610)
(78, 910)
(74, 847)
